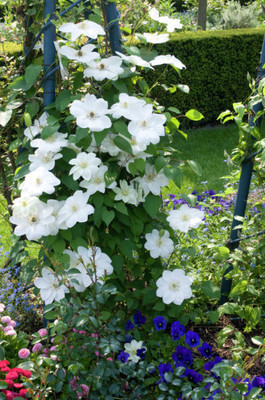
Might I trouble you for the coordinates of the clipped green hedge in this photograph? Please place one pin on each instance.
(217, 65)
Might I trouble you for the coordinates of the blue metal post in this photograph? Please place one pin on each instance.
(243, 189)
(113, 27)
(49, 54)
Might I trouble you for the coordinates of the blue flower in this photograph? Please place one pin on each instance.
(141, 352)
(192, 375)
(139, 318)
(160, 323)
(123, 357)
(192, 339)
(205, 350)
(162, 369)
(129, 325)
(182, 356)
(177, 330)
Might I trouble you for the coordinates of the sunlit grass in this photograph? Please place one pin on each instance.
(206, 147)
(5, 231)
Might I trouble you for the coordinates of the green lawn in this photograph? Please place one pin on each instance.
(206, 147)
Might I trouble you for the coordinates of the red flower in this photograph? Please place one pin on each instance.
(12, 375)
(26, 373)
(22, 392)
(5, 369)
(18, 385)
(4, 363)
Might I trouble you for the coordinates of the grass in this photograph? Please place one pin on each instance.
(205, 146)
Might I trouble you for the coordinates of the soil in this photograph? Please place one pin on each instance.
(209, 333)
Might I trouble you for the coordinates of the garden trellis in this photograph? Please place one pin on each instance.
(243, 187)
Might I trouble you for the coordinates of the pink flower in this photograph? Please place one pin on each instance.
(12, 323)
(109, 359)
(37, 347)
(8, 328)
(23, 353)
(5, 319)
(53, 348)
(2, 307)
(94, 335)
(11, 333)
(42, 332)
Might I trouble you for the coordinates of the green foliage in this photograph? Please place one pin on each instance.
(235, 16)
(217, 66)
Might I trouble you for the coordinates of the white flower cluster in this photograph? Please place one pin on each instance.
(86, 267)
(41, 210)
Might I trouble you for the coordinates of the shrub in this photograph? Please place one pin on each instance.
(218, 63)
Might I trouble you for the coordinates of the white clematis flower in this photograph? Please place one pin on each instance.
(42, 158)
(128, 194)
(108, 145)
(53, 143)
(152, 181)
(50, 287)
(91, 113)
(132, 348)
(33, 219)
(63, 70)
(135, 60)
(56, 207)
(147, 127)
(127, 106)
(172, 23)
(97, 182)
(156, 38)
(37, 127)
(77, 262)
(86, 28)
(174, 287)
(185, 218)
(159, 244)
(105, 68)
(85, 165)
(167, 59)
(75, 210)
(38, 181)
(84, 55)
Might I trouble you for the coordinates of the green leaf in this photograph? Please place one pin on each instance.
(184, 88)
(214, 316)
(210, 289)
(195, 167)
(174, 110)
(149, 296)
(152, 204)
(240, 288)
(63, 99)
(2, 353)
(108, 216)
(59, 245)
(121, 127)
(160, 162)
(257, 340)
(123, 144)
(21, 172)
(137, 165)
(127, 247)
(80, 320)
(121, 207)
(31, 74)
(49, 130)
(194, 115)
(175, 174)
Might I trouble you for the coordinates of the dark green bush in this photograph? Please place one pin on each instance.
(217, 66)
